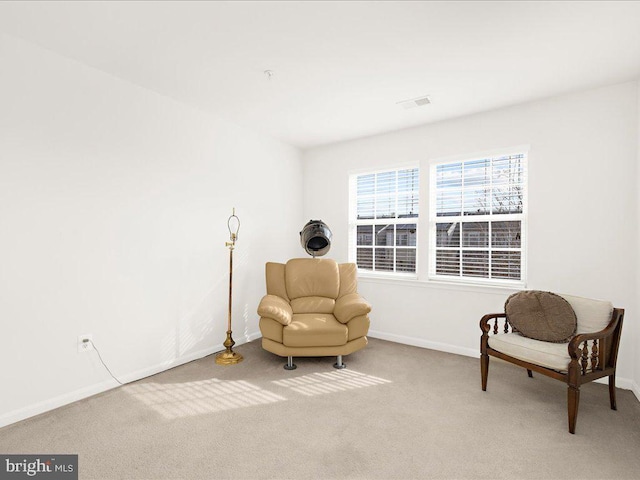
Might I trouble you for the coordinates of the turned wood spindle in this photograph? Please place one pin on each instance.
(585, 356)
(594, 355)
(495, 327)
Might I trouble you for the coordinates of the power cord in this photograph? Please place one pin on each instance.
(86, 340)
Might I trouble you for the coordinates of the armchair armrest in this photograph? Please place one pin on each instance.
(277, 308)
(350, 306)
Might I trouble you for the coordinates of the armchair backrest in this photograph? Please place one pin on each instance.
(312, 277)
(311, 285)
(592, 315)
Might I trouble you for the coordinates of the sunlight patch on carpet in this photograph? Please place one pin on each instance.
(176, 400)
(330, 382)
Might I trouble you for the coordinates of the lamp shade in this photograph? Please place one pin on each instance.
(315, 238)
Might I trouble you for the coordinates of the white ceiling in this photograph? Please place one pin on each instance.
(340, 67)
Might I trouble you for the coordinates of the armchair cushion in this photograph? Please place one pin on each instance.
(276, 308)
(314, 330)
(351, 306)
(312, 277)
(313, 305)
(541, 316)
(348, 278)
(275, 280)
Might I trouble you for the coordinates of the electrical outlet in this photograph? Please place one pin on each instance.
(85, 343)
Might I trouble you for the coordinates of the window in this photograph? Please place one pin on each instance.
(477, 219)
(384, 220)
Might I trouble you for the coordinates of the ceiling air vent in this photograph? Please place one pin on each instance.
(414, 102)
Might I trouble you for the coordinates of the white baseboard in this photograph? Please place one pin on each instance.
(624, 383)
(252, 336)
(419, 342)
(67, 398)
(635, 388)
(55, 402)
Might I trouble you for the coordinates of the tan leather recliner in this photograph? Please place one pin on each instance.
(312, 309)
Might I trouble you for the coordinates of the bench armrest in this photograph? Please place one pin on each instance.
(576, 351)
(484, 321)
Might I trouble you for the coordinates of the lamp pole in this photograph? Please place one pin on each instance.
(228, 356)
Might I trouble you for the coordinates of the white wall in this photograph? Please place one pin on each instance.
(113, 209)
(583, 211)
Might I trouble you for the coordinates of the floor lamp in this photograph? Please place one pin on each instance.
(229, 357)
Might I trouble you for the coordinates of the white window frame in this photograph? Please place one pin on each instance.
(522, 217)
(354, 222)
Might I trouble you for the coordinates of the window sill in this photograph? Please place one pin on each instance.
(387, 276)
(414, 281)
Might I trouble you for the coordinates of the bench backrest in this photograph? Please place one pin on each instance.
(592, 315)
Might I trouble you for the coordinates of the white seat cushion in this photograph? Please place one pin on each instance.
(546, 354)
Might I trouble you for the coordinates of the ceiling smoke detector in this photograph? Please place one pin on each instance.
(415, 102)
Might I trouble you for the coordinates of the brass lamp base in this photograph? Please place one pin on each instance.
(228, 357)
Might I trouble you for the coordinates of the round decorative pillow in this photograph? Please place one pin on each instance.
(541, 315)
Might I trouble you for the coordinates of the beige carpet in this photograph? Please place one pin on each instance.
(395, 412)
